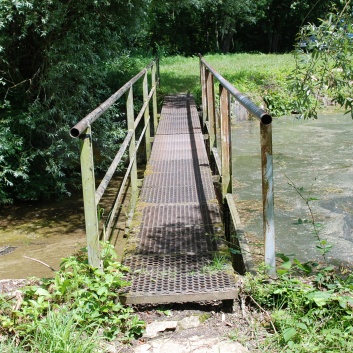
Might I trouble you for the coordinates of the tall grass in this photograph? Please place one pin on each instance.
(60, 332)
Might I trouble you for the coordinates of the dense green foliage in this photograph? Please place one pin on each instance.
(192, 26)
(58, 61)
(78, 300)
(310, 305)
(324, 67)
(202, 26)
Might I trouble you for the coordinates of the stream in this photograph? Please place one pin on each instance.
(317, 157)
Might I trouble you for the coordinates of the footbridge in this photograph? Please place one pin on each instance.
(185, 241)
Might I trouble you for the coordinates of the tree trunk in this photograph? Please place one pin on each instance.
(227, 40)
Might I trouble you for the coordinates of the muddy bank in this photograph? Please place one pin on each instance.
(48, 232)
(44, 231)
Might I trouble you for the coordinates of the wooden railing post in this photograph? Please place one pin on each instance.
(226, 143)
(154, 99)
(211, 108)
(203, 93)
(132, 148)
(147, 117)
(267, 197)
(90, 207)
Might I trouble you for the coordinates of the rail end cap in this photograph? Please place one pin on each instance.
(74, 132)
(266, 119)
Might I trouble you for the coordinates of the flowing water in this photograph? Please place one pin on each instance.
(48, 231)
(317, 157)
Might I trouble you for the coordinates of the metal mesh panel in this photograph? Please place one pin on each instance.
(177, 276)
(180, 215)
(177, 229)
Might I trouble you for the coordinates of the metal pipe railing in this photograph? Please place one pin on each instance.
(256, 111)
(83, 129)
(77, 130)
(227, 90)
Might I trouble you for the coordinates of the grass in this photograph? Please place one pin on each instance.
(60, 331)
(263, 77)
(179, 74)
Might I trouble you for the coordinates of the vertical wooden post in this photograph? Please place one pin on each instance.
(226, 143)
(204, 94)
(267, 197)
(90, 207)
(154, 99)
(147, 117)
(211, 108)
(132, 148)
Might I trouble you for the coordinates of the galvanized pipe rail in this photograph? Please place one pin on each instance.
(224, 162)
(83, 130)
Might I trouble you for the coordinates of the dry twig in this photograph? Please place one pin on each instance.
(265, 312)
(41, 262)
(19, 297)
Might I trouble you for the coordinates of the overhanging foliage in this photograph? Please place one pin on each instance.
(54, 64)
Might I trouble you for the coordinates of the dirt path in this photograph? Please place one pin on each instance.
(197, 328)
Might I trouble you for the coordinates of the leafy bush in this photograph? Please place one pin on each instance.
(324, 69)
(89, 295)
(311, 307)
(55, 68)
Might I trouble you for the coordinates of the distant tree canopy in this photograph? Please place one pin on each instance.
(191, 26)
(188, 26)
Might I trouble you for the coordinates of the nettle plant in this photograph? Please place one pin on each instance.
(90, 294)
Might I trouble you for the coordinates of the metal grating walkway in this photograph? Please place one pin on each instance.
(175, 250)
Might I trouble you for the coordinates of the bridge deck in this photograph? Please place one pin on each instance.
(175, 249)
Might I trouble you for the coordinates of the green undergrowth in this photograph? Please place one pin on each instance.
(71, 312)
(307, 308)
(263, 77)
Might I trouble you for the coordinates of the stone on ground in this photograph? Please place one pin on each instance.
(154, 328)
(194, 344)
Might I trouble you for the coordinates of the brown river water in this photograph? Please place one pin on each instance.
(47, 232)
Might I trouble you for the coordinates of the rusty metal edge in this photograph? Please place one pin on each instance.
(178, 298)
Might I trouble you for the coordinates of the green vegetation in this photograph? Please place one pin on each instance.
(325, 68)
(308, 308)
(80, 304)
(58, 61)
(263, 77)
(213, 26)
